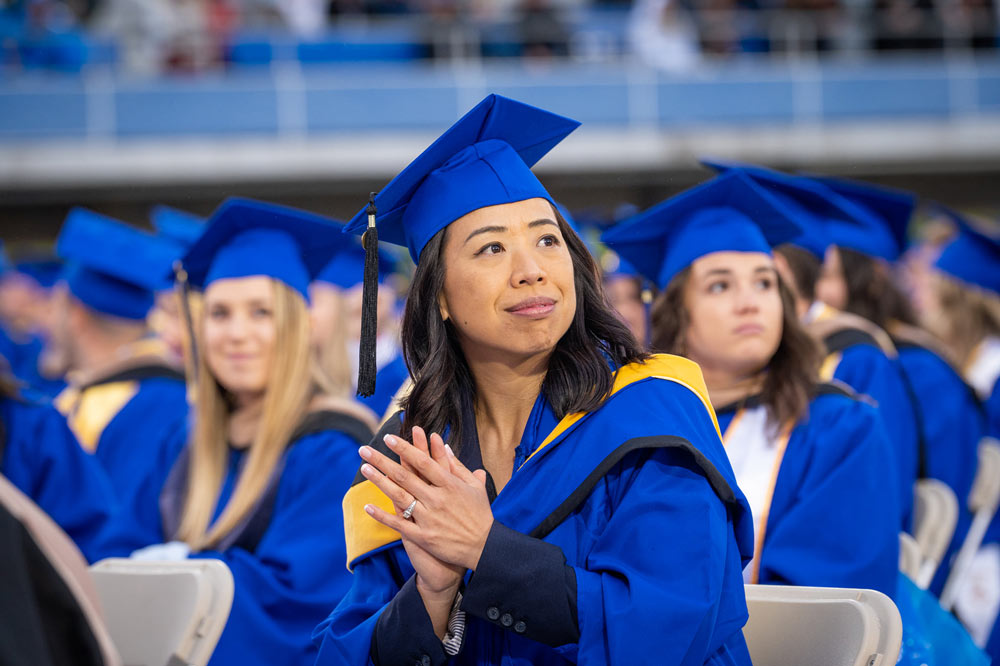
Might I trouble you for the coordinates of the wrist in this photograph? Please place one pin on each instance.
(477, 553)
(438, 594)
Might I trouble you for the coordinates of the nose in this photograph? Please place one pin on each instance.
(526, 269)
(747, 300)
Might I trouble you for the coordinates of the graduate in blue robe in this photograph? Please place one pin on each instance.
(603, 535)
(859, 354)
(126, 398)
(40, 456)
(276, 525)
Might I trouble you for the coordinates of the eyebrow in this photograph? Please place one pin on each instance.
(501, 229)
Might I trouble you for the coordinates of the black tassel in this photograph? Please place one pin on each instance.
(191, 362)
(369, 306)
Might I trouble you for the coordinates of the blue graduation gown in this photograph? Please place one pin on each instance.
(867, 370)
(295, 572)
(833, 516)
(22, 357)
(953, 423)
(43, 459)
(126, 420)
(621, 537)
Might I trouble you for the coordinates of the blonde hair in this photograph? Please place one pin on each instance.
(332, 370)
(968, 315)
(286, 400)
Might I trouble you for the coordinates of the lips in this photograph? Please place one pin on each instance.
(537, 306)
(749, 329)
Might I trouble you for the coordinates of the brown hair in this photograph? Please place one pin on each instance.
(792, 370)
(805, 268)
(580, 373)
(871, 291)
(286, 400)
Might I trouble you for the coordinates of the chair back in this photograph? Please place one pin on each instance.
(935, 514)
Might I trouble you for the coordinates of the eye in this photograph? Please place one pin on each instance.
(549, 240)
(260, 313)
(218, 313)
(717, 287)
(765, 284)
(490, 249)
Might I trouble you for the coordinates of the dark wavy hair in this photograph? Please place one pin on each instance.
(791, 373)
(805, 268)
(871, 291)
(581, 369)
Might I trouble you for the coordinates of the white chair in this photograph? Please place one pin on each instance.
(164, 613)
(983, 501)
(821, 626)
(910, 557)
(67, 561)
(935, 514)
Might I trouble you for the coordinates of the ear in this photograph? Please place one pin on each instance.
(443, 306)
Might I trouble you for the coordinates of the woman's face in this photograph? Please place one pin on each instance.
(831, 287)
(625, 295)
(508, 286)
(735, 312)
(165, 321)
(240, 333)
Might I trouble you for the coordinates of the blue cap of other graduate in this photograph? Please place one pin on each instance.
(177, 225)
(111, 267)
(816, 208)
(245, 238)
(45, 271)
(728, 213)
(484, 159)
(891, 208)
(973, 256)
(347, 268)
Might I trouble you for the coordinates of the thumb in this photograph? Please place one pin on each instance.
(480, 475)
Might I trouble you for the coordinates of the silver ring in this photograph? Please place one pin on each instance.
(409, 510)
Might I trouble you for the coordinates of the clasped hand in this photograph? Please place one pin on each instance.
(451, 520)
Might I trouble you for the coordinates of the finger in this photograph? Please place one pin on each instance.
(420, 461)
(439, 452)
(398, 496)
(404, 478)
(419, 439)
(460, 470)
(406, 528)
(480, 475)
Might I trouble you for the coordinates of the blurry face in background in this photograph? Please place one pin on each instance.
(58, 355)
(625, 294)
(508, 281)
(352, 300)
(24, 304)
(325, 311)
(166, 321)
(735, 312)
(831, 287)
(240, 333)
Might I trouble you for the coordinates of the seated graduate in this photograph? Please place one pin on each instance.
(858, 353)
(601, 523)
(859, 279)
(813, 460)
(40, 456)
(336, 296)
(259, 480)
(961, 304)
(125, 398)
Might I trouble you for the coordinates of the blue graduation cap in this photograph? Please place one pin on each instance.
(177, 225)
(484, 159)
(825, 217)
(4, 259)
(347, 268)
(973, 256)
(46, 271)
(244, 238)
(110, 266)
(728, 213)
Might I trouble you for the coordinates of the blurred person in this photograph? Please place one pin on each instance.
(257, 481)
(811, 456)
(963, 307)
(125, 396)
(142, 31)
(858, 353)
(628, 293)
(336, 315)
(859, 278)
(40, 456)
(541, 30)
(569, 426)
(663, 34)
(905, 25)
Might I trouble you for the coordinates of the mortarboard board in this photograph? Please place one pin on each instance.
(973, 256)
(44, 270)
(728, 213)
(825, 217)
(890, 207)
(347, 268)
(244, 238)
(177, 225)
(110, 266)
(484, 159)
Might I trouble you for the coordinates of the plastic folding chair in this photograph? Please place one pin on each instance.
(935, 515)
